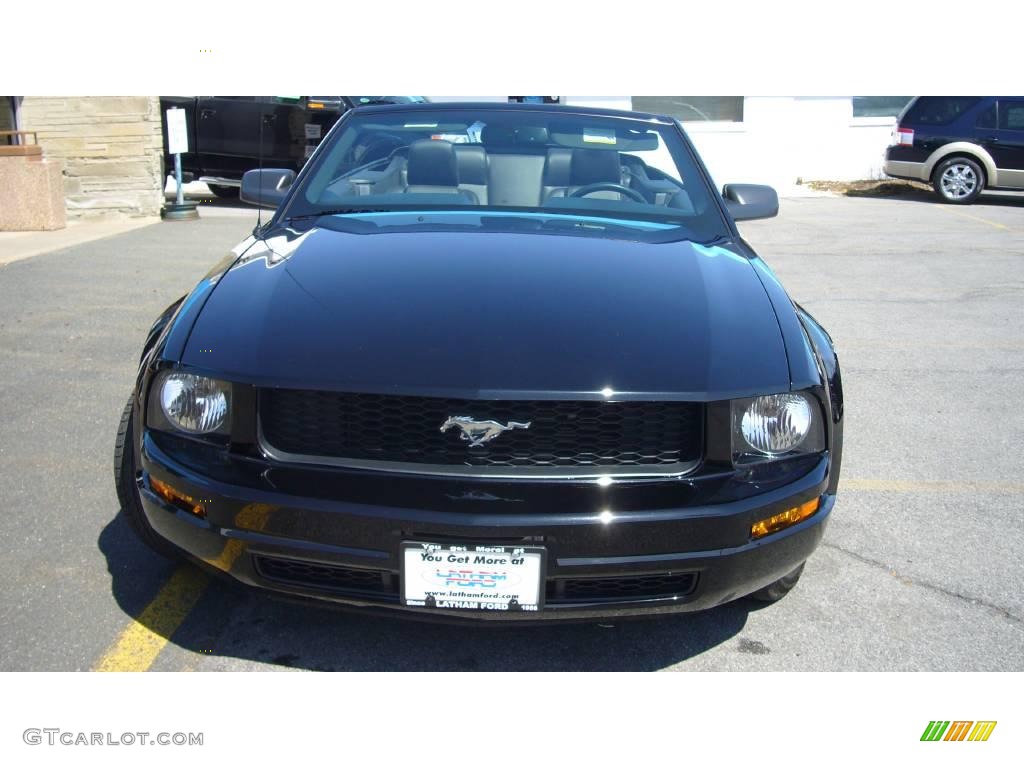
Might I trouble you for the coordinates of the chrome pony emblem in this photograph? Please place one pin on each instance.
(480, 432)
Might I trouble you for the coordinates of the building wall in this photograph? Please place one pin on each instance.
(112, 149)
(783, 139)
(780, 140)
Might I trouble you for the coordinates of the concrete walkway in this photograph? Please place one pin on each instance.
(15, 246)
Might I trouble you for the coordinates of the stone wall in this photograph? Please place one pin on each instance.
(112, 148)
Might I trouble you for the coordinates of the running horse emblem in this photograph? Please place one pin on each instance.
(480, 432)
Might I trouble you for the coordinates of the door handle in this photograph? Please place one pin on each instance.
(205, 113)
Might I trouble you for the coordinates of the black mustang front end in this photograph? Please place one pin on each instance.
(518, 366)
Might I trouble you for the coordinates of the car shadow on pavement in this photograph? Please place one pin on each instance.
(231, 624)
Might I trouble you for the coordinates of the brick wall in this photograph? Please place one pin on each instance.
(112, 148)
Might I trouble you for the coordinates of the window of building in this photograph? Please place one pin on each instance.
(879, 106)
(693, 109)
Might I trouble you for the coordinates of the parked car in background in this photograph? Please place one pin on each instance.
(225, 133)
(523, 366)
(961, 145)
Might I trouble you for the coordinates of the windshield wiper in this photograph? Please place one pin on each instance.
(336, 212)
(584, 224)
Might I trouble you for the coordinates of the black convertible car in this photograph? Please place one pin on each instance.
(515, 363)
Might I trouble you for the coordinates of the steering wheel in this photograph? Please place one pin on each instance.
(609, 186)
(378, 148)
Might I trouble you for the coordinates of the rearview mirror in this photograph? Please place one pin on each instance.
(750, 201)
(266, 187)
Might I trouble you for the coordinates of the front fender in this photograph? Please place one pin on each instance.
(825, 352)
(167, 336)
(157, 328)
(155, 338)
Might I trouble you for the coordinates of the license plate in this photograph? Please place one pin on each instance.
(473, 577)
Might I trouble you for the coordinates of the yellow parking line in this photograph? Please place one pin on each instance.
(140, 643)
(926, 486)
(966, 215)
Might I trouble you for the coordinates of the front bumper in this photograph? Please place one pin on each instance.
(336, 536)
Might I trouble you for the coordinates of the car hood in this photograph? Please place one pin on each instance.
(471, 314)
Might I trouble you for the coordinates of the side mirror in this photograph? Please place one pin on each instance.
(749, 201)
(266, 187)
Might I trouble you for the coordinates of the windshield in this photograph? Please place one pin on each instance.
(511, 162)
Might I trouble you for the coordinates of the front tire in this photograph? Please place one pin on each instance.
(958, 180)
(779, 589)
(128, 491)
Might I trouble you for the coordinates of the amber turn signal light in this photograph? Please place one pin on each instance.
(785, 519)
(176, 497)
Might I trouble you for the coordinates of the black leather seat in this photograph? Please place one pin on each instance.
(515, 164)
(568, 170)
(472, 164)
(432, 168)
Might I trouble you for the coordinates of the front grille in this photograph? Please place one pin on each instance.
(383, 586)
(562, 434)
(621, 588)
(356, 582)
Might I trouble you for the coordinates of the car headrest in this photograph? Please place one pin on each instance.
(471, 161)
(557, 167)
(592, 166)
(432, 162)
(497, 135)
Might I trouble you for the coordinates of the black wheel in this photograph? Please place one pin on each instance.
(958, 180)
(128, 491)
(779, 589)
(226, 193)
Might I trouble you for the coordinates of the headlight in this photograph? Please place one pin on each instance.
(775, 426)
(194, 404)
(776, 423)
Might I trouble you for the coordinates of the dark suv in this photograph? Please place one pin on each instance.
(961, 144)
(229, 135)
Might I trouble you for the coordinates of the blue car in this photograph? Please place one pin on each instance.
(523, 343)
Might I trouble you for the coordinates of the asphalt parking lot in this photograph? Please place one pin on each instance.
(920, 568)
